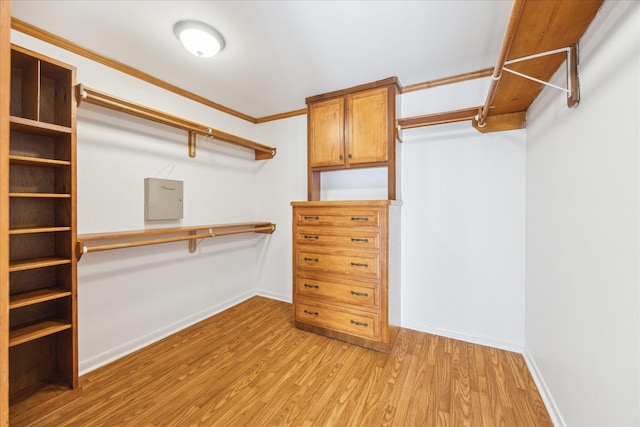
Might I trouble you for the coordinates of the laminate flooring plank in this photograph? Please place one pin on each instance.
(249, 366)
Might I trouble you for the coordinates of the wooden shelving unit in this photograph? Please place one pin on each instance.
(42, 233)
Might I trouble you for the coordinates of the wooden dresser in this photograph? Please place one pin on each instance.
(346, 272)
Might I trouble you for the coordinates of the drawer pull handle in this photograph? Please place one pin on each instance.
(359, 218)
(313, 313)
(359, 294)
(311, 218)
(311, 259)
(357, 264)
(306, 285)
(310, 237)
(353, 239)
(359, 323)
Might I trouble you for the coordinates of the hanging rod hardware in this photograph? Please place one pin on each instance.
(166, 235)
(92, 96)
(572, 89)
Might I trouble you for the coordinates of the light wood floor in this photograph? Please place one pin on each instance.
(248, 366)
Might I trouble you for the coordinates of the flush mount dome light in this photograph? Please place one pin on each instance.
(199, 38)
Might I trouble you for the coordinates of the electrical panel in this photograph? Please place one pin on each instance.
(163, 199)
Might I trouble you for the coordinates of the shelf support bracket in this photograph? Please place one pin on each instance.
(192, 144)
(573, 83)
(193, 244)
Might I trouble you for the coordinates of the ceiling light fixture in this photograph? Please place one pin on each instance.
(199, 38)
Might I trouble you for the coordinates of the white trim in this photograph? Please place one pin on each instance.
(457, 335)
(549, 403)
(272, 295)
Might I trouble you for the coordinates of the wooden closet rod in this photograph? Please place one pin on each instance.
(193, 233)
(92, 96)
(507, 41)
(462, 115)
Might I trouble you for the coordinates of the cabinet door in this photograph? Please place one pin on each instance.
(368, 124)
(326, 133)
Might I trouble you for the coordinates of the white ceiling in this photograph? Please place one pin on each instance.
(280, 52)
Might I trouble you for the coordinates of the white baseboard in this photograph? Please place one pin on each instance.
(475, 339)
(273, 295)
(116, 353)
(550, 404)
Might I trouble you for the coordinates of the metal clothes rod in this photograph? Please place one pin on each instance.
(92, 96)
(193, 234)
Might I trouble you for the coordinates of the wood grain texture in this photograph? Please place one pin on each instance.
(545, 25)
(458, 78)
(248, 366)
(5, 87)
(42, 281)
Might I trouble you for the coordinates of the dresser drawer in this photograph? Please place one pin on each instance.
(352, 322)
(347, 238)
(359, 264)
(346, 217)
(344, 291)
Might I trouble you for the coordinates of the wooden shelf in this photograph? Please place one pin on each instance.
(34, 126)
(36, 330)
(35, 297)
(49, 394)
(178, 234)
(92, 96)
(30, 264)
(37, 161)
(41, 195)
(38, 230)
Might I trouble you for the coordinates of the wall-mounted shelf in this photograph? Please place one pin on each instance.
(92, 96)
(166, 235)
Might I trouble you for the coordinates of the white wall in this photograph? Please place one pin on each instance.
(582, 232)
(281, 181)
(463, 234)
(462, 223)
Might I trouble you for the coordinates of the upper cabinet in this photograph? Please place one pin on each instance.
(326, 133)
(370, 133)
(353, 128)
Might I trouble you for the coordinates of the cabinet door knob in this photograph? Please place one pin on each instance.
(341, 157)
(350, 156)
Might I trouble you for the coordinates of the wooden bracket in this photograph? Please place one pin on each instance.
(192, 144)
(500, 122)
(193, 243)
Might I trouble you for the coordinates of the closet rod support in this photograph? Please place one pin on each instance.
(573, 84)
(192, 144)
(191, 236)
